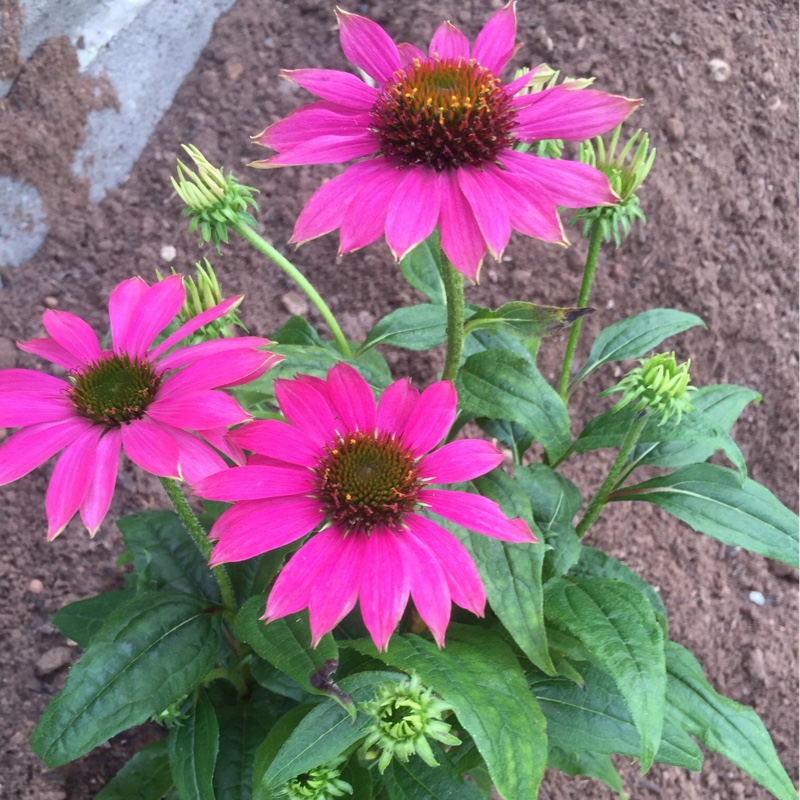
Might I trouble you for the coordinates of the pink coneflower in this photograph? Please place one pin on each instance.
(437, 135)
(145, 400)
(360, 474)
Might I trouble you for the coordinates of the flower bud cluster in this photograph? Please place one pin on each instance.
(320, 783)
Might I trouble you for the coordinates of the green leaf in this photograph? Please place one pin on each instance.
(418, 327)
(415, 780)
(421, 269)
(722, 725)
(722, 404)
(595, 765)
(526, 319)
(193, 746)
(80, 620)
(326, 732)
(151, 652)
(511, 434)
(145, 777)
(635, 336)
(597, 718)
(159, 543)
(609, 430)
(615, 622)
(285, 643)
(478, 675)
(712, 500)
(298, 331)
(502, 385)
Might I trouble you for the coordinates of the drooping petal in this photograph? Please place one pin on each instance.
(461, 237)
(292, 589)
(340, 88)
(190, 354)
(253, 527)
(51, 350)
(31, 382)
(123, 307)
(322, 118)
(103, 478)
(463, 580)
(151, 447)
(73, 334)
(323, 150)
(461, 460)
(307, 409)
(352, 398)
(25, 408)
(431, 418)
(255, 483)
(276, 439)
(198, 460)
(222, 369)
(449, 42)
(70, 480)
(384, 585)
(395, 406)
(28, 448)
(494, 45)
(489, 204)
(429, 586)
(413, 210)
(368, 46)
(197, 410)
(563, 112)
(478, 513)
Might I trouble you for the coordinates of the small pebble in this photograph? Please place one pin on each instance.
(53, 660)
(168, 253)
(50, 301)
(295, 303)
(757, 598)
(36, 586)
(675, 130)
(676, 39)
(754, 664)
(774, 103)
(233, 69)
(720, 70)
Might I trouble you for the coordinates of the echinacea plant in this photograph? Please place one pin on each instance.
(325, 485)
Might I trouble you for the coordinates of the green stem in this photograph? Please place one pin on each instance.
(600, 498)
(199, 537)
(454, 293)
(265, 248)
(595, 241)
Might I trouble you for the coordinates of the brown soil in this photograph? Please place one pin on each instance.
(721, 242)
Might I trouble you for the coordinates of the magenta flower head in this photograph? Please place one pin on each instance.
(148, 401)
(359, 475)
(437, 134)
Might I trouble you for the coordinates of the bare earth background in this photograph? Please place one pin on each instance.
(721, 242)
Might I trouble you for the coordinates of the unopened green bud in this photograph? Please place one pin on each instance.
(406, 715)
(320, 783)
(213, 201)
(659, 384)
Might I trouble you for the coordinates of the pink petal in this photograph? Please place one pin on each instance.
(307, 409)
(123, 307)
(431, 418)
(218, 439)
(198, 460)
(197, 410)
(340, 88)
(429, 589)
(352, 398)
(73, 334)
(488, 199)
(193, 353)
(22, 408)
(334, 597)
(252, 527)
(495, 44)
(324, 150)
(326, 208)
(368, 46)
(568, 113)
(70, 480)
(395, 406)
(408, 53)
(413, 210)
(463, 580)
(27, 449)
(194, 324)
(461, 460)
(316, 119)
(277, 439)
(156, 310)
(222, 369)
(462, 240)
(292, 589)
(255, 483)
(30, 381)
(449, 43)
(518, 84)
(151, 447)
(477, 513)
(51, 350)
(384, 584)
(103, 478)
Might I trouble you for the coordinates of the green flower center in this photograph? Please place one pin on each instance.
(114, 390)
(367, 480)
(444, 114)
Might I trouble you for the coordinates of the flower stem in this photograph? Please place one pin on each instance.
(595, 241)
(199, 537)
(600, 498)
(454, 292)
(265, 248)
